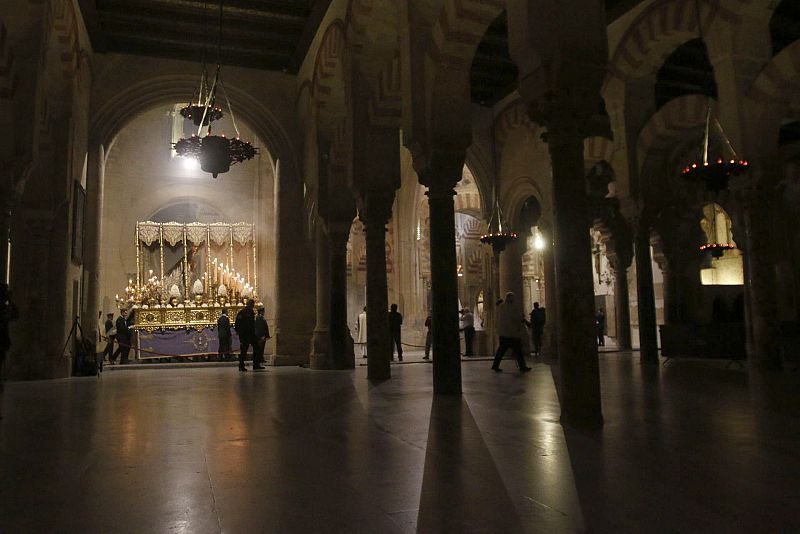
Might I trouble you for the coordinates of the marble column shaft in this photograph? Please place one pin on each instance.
(648, 337)
(341, 343)
(622, 307)
(379, 348)
(320, 341)
(95, 186)
(444, 285)
(550, 298)
(577, 340)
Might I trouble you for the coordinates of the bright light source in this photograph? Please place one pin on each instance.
(538, 242)
(190, 164)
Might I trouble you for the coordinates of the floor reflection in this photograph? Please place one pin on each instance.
(687, 447)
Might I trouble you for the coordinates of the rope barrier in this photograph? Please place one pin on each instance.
(176, 355)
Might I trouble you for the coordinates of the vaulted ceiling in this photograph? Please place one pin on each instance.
(494, 75)
(265, 34)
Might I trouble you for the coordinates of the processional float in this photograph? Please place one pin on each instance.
(186, 273)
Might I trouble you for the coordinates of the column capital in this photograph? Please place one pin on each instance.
(338, 232)
(375, 207)
(443, 168)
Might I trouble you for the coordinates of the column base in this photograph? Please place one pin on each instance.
(320, 350)
(290, 349)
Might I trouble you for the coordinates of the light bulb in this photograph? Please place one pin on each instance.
(538, 242)
(190, 164)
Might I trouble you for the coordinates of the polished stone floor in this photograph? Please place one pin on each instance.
(688, 447)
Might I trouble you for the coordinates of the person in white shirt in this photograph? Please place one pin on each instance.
(509, 330)
(361, 330)
(468, 327)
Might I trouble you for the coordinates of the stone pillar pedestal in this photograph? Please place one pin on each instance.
(648, 337)
(444, 285)
(341, 343)
(379, 348)
(577, 341)
(320, 340)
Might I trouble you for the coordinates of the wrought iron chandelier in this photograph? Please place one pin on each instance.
(498, 234)
(714, 174)
(216, 153)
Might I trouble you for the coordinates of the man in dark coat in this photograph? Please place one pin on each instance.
(600, 321)
(395, 322)
(245, 326)
(224, 334)
(261, 332)
(123, 338)
(538, 320)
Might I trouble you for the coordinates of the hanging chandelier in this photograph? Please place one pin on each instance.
(715, 173)
(498, 234)
(216, 153)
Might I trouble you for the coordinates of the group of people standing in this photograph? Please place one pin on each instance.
(395, 319)
(253, 331)
(110, 332)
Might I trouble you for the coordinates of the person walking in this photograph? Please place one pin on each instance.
(224, 335)
(395, 322)
(245, 326)
(261, 332)
(468, 327)
(509, 330)
(361, 331)
(600, 321)
(538, 320)
(123, 338)
(428, 338)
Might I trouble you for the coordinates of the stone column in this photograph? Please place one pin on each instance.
(341, 343)
(648, 337)
(762, 345)
(375, 215)
(93, 220)
(320, 341)
(444, 277)
(577, 341)
(550, 296)
(622, 304)
(294, 285)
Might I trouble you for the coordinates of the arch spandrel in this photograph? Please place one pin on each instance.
(120, 92)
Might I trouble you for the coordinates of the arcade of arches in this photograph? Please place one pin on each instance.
(382, 147)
